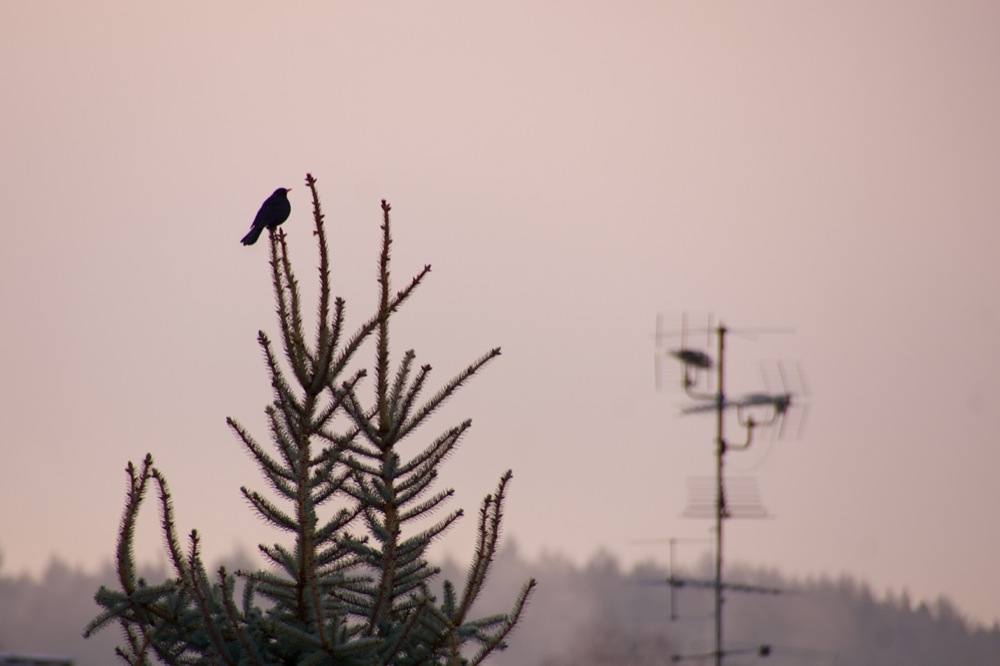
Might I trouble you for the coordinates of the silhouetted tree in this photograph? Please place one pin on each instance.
(353, 586)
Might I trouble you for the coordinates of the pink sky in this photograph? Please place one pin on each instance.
(570, 169)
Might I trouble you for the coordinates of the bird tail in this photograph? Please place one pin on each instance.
(252, 237)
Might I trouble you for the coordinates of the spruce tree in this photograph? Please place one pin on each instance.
(351, 584)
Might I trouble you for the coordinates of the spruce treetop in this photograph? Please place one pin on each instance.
(348, 582)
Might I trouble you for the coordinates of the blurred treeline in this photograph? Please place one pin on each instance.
(596, 614)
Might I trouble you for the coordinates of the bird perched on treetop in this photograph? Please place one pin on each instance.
(273, 212)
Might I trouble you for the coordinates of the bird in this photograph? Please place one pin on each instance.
(273, 212)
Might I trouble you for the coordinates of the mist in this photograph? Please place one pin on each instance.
(593, 614)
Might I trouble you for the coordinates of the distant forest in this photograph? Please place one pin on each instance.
(597, 615)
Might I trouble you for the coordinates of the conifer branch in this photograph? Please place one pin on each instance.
(431, 457)
(497, 641)
(167, 524)
(490, 516)
(329, 485)
(391, 650)
(324, 356)
(269, 512)
(402, 374)
(446, 392)
(352, 406)
(357, 467)
(236, 622)
(425, 507)
(262, 457)
(382, 355)
(268, 579)
(347, 353)
(336, 403)
(401, 413)
(325, 334)
(126, 531)
(286, 292)
(414, 485)
(433, 532)
(198, 584)
(282, 439)
(284, 395)
(317, 603)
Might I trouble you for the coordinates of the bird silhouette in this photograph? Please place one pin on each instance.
(273, 212)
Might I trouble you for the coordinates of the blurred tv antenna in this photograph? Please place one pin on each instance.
(753, 411)
(695, 360)
(673, 580)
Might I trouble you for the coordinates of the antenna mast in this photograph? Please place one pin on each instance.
(695, 363)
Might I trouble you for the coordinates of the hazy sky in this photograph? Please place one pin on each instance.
(570, 169)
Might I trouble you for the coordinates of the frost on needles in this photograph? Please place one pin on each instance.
(350, 582)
